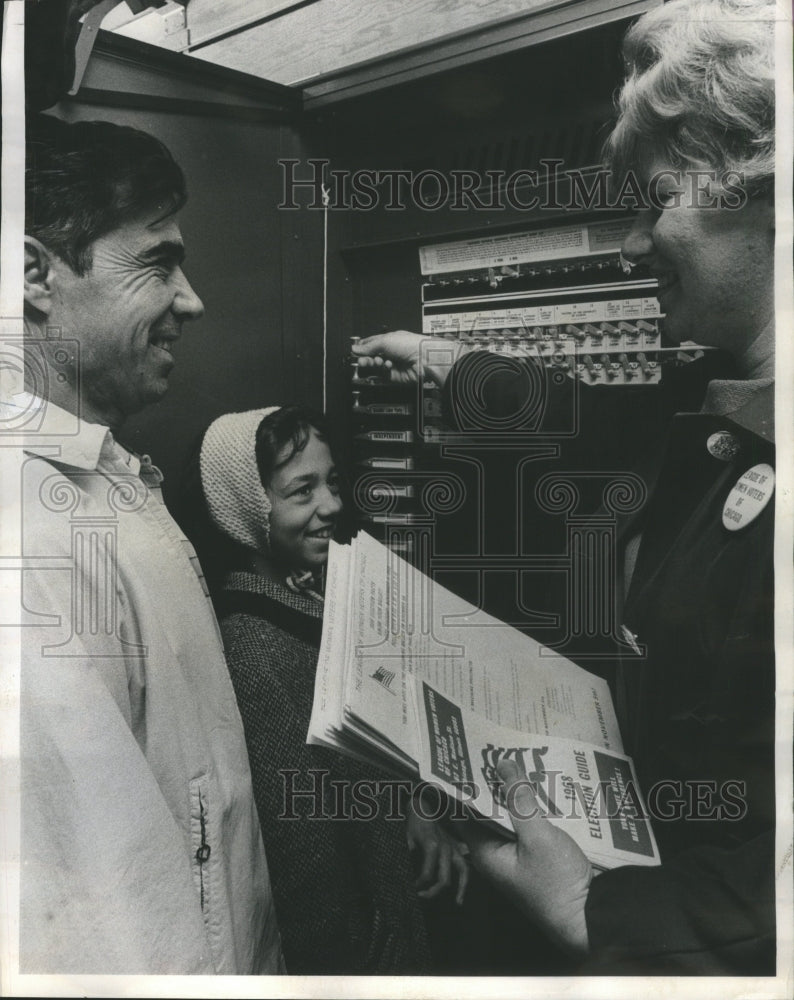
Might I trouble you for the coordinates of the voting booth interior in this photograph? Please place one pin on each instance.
(427, 189)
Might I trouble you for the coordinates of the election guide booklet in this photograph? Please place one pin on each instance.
(590, 793)
(415, 679)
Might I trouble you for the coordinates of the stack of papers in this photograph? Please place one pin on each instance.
(414, 679)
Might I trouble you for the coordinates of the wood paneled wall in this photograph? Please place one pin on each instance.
(327, 35)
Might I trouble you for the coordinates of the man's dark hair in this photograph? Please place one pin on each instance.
(84, 179)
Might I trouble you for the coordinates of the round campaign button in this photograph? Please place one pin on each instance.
(723, 445)
(748, 497)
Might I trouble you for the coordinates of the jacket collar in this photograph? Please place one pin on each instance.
(51, 432)
(255, 583)
(749, 404)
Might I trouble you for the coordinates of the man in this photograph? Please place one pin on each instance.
(141, 850)
(695, 686)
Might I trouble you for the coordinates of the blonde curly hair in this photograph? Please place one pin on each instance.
(700, 90)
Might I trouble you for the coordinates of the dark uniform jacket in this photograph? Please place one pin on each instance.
(693, 676)
(697, 713)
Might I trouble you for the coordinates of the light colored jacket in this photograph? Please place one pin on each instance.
(141, 848)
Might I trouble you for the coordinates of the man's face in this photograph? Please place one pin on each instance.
(126, 313)
(714, 264)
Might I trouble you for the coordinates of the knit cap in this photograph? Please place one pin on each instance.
(237, 501)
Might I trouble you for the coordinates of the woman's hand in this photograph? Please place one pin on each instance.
(402, 354)
(443, 858)
(543, 870)
(398, 351)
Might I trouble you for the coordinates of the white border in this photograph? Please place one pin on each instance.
(11, 983)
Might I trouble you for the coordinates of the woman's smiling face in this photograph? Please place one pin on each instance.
(304, 492)
(714, 264)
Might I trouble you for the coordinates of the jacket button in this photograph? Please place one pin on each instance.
(203, 854)
(723, 445)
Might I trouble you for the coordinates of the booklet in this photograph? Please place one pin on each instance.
(413, 678)
(590, 793)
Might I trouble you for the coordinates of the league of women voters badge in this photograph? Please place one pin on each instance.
(748, 497)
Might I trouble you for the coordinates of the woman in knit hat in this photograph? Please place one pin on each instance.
(344, 887)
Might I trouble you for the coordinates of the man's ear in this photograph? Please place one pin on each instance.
(39, 276)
